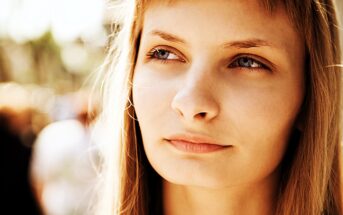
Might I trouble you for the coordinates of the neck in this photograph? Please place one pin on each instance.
(253, 199)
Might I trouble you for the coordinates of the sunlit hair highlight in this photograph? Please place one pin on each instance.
(311, 170)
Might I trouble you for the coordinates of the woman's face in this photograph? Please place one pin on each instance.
(217, 88)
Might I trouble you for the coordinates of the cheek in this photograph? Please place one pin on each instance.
(151, 99)
(260, 122)
(270, 109)
(152, 102)
(149, 95)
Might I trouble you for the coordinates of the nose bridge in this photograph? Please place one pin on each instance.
(195, 99)
(200, 75)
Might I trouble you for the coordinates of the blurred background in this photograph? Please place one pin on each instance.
(49, 53)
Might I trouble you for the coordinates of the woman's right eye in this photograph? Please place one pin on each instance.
(163, 55)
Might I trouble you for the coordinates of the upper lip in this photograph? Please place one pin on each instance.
(193, 138)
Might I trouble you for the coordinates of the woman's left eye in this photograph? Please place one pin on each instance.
(247, 62)
(162, 54)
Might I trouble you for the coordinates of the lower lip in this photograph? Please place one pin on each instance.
(196, 147)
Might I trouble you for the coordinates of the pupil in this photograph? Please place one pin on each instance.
(245, 62)
(162, 54)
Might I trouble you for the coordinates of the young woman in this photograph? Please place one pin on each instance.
(223, 107)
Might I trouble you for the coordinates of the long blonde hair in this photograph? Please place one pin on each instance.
(311, 169)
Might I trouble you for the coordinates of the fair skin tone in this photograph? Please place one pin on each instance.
(217, 89)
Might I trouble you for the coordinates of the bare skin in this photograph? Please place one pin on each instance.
(217, 89)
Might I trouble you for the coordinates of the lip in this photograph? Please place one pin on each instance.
(192, 143)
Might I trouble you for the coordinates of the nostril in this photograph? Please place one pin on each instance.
(201, 115)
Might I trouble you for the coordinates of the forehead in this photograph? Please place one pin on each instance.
(217, 21)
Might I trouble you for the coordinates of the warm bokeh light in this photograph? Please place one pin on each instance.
(48, 51)
(68, 20)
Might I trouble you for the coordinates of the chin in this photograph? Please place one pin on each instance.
(202, 181)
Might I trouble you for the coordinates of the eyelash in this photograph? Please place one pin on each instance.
(260, 65)
(234, 64)
(152, 55)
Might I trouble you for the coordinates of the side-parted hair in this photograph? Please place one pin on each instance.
(311, 168)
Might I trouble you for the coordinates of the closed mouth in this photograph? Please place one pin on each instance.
(195, 144)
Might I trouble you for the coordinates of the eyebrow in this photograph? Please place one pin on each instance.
(240, 44)
(245, 44)
(167, 36)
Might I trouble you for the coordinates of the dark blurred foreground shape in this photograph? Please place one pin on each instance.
(16, 140)
(46, 157)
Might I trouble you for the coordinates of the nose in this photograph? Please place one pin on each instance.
(196, 101)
